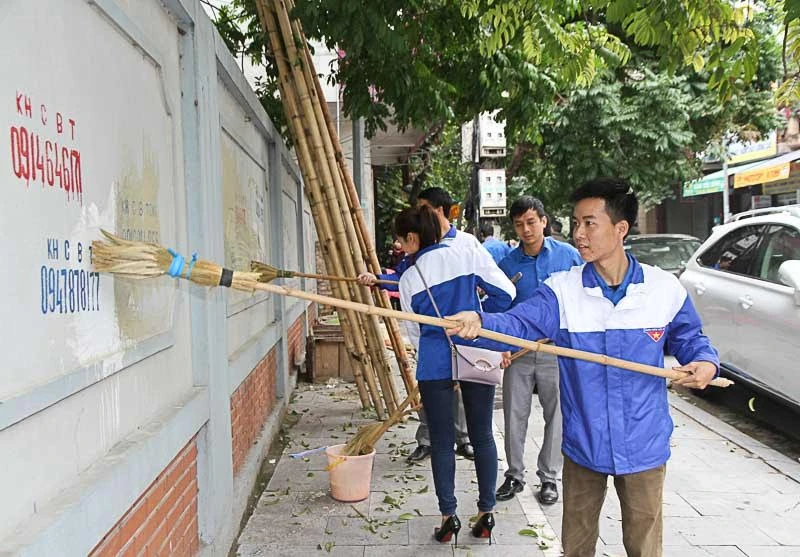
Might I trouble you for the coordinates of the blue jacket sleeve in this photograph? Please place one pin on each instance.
(536, 318)
(500, 292)
(400, 268)
(685, 338)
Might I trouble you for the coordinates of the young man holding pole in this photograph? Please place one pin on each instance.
(616, 422)
(536, 258)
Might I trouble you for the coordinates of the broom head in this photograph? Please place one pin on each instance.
(268, 273)
(140, 260)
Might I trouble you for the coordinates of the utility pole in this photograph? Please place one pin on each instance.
(726, 194)
(473, 198)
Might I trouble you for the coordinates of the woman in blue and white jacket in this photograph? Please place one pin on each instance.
(453, 275)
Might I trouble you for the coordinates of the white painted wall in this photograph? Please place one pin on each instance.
(100, 391)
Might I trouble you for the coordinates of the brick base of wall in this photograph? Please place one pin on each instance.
(163, 521)
(251, 403)
(295, 342)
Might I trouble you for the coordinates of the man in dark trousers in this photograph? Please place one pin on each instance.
(535, 258)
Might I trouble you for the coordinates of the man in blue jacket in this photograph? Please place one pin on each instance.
(497, 249)
(535, 259)
(616, 422)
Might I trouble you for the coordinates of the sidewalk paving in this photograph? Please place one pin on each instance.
(726, 494)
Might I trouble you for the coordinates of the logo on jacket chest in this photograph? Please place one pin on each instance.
(655, 334)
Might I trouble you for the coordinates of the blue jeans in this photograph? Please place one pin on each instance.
(437, 400)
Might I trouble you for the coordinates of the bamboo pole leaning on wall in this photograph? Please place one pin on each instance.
(338, 200)
(364, 377)
(368, 248)
(341, 221)
(300, 89)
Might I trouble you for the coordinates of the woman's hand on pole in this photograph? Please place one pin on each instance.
(367, 279)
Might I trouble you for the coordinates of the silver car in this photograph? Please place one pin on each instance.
(745, 283)
(670, 252)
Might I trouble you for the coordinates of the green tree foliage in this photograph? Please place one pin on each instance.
(587, 87)
(641, 123)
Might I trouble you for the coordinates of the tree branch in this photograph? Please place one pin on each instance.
(783, 51)
(521, 149)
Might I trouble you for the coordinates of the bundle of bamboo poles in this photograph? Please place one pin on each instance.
(346, 244)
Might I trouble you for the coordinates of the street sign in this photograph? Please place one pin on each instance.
(703, 186)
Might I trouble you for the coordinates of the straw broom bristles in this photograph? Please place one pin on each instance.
(364, 441)
(142, 260)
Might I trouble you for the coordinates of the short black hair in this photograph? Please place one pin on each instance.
(421, 220)
(524, 204)
(556, 225)
(487, 230)
(621, 202)
(437, 197)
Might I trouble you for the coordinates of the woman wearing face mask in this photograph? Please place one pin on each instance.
(450, 276)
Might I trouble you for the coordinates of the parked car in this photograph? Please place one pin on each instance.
(745, 282)
(667, 251)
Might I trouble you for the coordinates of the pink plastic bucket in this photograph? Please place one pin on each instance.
(350, 476)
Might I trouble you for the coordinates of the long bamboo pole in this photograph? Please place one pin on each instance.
(533, 346)
(366, 389)
(364, 235)
(374, 338)
(333, 193)
(354, 205)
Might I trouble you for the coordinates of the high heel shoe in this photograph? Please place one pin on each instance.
(483, 527)
(450, 527)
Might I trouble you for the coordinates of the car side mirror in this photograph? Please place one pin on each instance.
(789, 274)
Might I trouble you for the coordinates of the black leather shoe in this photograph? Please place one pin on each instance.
(466, 451)
(420, 453)
(548, 494)
(509, 489)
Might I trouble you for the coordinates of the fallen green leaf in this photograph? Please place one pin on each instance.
(329, 546)
(405, 516)
(423, 490)
(528, 532)
(310, 475)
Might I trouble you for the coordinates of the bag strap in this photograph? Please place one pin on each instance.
(435, 307)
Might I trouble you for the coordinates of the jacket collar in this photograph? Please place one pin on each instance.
(423, 251)
(546, 246)
(635, 293)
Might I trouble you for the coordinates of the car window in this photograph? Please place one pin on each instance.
(735, 252)
(782, 244)
(667, 255)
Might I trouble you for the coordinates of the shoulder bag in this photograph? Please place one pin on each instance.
(477, 365)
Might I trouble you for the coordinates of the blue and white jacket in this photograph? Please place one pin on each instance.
(615, 421)
(453, 238)
(452, 274)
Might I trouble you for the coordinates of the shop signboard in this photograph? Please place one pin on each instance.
(745, 151)
(703, 186)
(790, 185)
